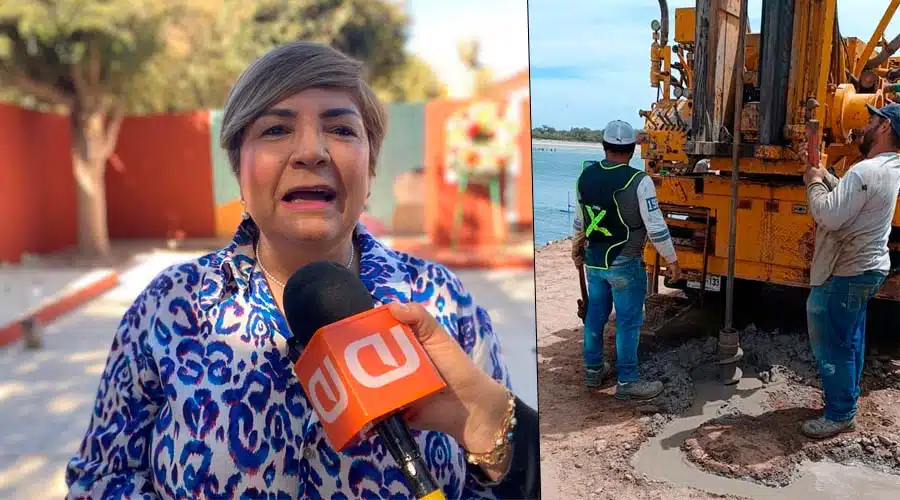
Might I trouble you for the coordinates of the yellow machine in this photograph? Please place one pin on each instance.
(800, 71)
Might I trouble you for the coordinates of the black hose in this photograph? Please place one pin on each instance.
(663, 22)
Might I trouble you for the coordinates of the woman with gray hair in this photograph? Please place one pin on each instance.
(198, 398)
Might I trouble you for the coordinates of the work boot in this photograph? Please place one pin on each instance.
(594, 377)
(822, 428)
(639, 390)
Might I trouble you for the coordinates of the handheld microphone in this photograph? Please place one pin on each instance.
(342, 357)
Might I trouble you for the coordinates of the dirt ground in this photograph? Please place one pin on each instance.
(767, 449)
(588, 437)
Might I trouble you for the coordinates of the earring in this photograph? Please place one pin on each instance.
(244, 214)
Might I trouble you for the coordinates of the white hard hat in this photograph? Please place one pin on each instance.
(619, 132)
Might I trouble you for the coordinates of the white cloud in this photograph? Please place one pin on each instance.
(590, 59)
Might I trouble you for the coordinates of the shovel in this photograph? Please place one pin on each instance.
(583, 301)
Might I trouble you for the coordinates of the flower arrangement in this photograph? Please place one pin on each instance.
(480, 141)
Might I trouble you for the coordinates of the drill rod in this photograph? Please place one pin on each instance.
(735, 163)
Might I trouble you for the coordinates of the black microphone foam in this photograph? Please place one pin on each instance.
(321, 293)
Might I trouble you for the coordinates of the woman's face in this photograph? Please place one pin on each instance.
(305, 167)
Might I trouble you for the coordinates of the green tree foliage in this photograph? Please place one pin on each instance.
(374, 32)
(97, 60)
(204, 54)
(414, 80)
(580, 134)
(79, 57)
(209, 50)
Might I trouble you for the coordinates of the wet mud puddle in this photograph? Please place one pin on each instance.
(764, 455)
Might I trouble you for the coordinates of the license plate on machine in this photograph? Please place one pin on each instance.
(713, 283)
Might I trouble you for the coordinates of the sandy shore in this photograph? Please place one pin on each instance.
(548, 143)
(595, 446)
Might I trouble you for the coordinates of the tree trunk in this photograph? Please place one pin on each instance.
(93, 140)
(93, 230)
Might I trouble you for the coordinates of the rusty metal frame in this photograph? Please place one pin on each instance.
(694, 212)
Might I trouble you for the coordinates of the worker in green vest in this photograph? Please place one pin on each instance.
(618, 211)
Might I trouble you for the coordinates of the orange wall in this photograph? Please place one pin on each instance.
(525, 191)
(500, 90)
(152, 191)
(37, 187)
(441, 199)
(161, 181)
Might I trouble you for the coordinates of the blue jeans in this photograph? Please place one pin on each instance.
(624, 285)
(836, 317)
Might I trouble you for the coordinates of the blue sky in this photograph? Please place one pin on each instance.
(500, 25)
(590, 58)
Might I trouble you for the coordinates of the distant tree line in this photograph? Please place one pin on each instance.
(580, 134)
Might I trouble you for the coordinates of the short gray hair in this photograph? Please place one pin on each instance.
(287, 70)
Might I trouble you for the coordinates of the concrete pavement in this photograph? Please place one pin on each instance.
(508, 296)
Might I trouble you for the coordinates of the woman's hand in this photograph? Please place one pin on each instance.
(473, 406)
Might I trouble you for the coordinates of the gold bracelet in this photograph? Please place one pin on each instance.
(502, 442)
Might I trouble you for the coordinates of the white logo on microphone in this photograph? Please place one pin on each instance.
(376, 340)
(339, 400)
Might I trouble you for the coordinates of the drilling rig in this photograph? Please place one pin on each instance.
(799, 80)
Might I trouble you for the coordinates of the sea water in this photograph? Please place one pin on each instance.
(555, 169)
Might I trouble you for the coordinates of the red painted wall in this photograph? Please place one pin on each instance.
(525, 191)
(159, 180)
(37, 187)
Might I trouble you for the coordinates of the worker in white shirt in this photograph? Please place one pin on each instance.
(617, 212)
(851, 261)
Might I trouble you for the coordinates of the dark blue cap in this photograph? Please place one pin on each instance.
(890, 112)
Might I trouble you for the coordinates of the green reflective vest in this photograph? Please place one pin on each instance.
(604, 229)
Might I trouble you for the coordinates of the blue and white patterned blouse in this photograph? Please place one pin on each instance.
(199, 400)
